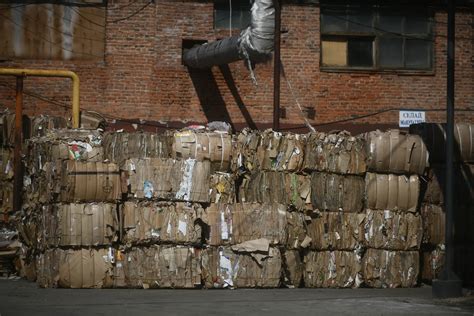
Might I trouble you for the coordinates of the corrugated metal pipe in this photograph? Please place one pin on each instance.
(253, 44)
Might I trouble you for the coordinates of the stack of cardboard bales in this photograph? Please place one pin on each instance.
(196, 208)
(337, 164)
(393, 225)
(69, 217)
(272, 182)
(433, 206)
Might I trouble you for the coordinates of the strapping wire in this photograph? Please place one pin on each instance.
(310, 127)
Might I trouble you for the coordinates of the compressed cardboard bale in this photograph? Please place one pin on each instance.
(216, 147)
(433, 224)
(432, 263)
(393, 230)
(341, 231)
(81, 268)
(435, 183)
(272, 186)
(281, 152)
(245, 145)
(222, 188)
(63, 144)
(91, 224)
(332, 192)
(159, 266)
(6, 164)
(337, 152)
(268, 150)
(396, 152)
(390, 269)
(153, 222)
(332, 269)
(223, 267)
(293, 268)
(89, 181)
(120, 146)
(434, 136)
(392, 192)
(241, 222)
(168, 179)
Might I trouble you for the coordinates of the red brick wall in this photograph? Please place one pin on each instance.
(142, 76)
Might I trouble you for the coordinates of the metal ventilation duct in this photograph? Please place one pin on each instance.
(253, 44)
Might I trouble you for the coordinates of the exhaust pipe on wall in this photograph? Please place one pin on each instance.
(254, 44)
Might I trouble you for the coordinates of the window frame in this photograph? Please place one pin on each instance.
(377, 35)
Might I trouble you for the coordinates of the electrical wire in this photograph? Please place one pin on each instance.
(133, 14)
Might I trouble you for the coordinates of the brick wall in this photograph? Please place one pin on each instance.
(142, 76)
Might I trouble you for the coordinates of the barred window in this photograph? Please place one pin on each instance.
(376, 38)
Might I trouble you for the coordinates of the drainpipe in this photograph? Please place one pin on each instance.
(52, 73)
(254, 44)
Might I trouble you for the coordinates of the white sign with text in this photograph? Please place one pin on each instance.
(411, 117)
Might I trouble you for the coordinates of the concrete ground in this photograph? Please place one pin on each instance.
(19, 297)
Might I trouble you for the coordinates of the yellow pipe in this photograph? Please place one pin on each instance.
(52, 73)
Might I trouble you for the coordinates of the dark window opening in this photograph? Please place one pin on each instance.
(231, 13)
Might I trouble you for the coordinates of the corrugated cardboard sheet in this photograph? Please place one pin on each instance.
(334, 192)
(297, 227)
(389, 269)
(434, 136)
(90, 181)
(169, 179)
(6, 164)
(93, 224)
(339, 153)
(223, 267)
(393, 230)
(240, 222)
(293, 268)
(396, 152)
(392, 192)
(159, 266)
(341, 231)
(433, 224)
(215, 147)
(42, 124)
(120, 146)
(151, 222)
(6, 198)
(271, 186)
(82, 268)
(222, 187)
(333, 269)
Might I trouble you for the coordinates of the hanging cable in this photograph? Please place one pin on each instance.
(133, 14)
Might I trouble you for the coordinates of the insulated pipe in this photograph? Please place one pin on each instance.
(52, 73)
(253, 44)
